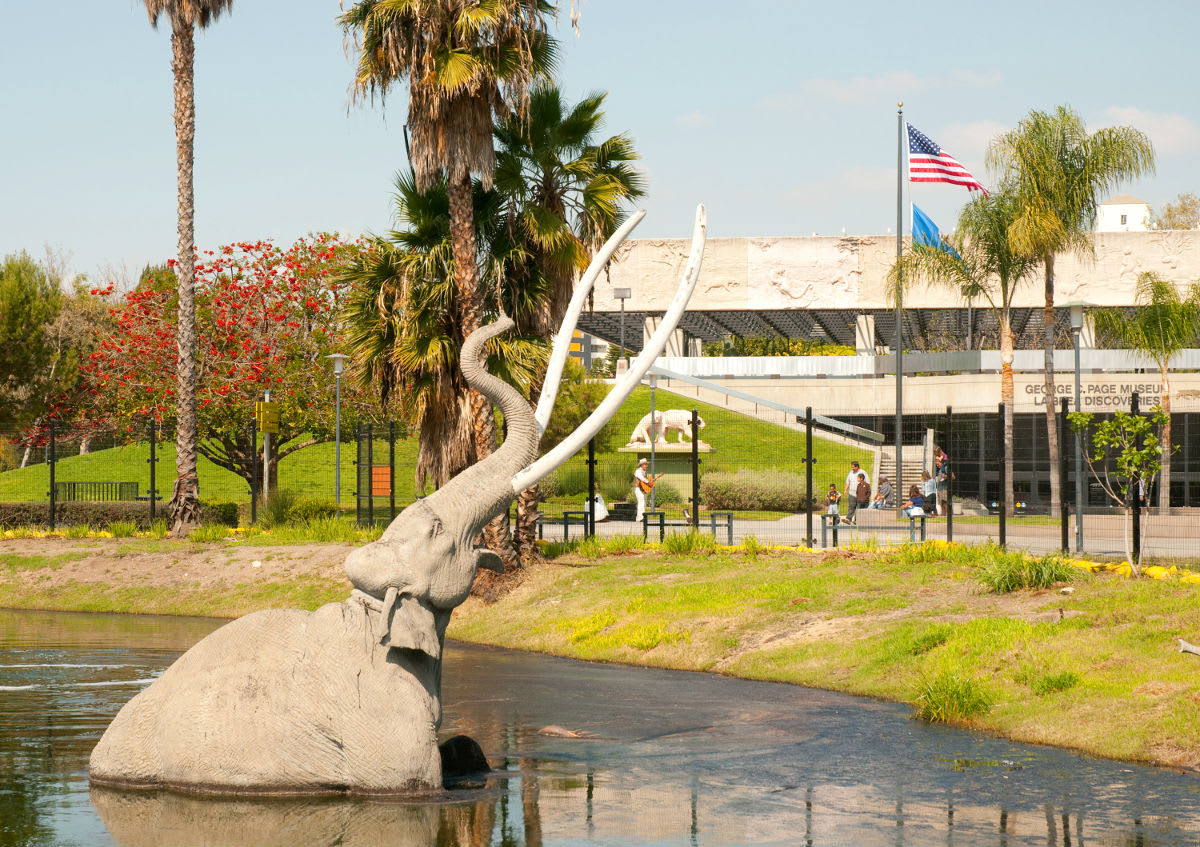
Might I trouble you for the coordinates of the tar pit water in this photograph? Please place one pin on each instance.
(581, 754)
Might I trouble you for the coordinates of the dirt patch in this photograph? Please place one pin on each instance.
(116, 561)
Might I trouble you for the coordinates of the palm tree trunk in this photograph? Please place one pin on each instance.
(1164, 488)
(469, 306)
(185, 499)
(1051, 396)
(1006, 396)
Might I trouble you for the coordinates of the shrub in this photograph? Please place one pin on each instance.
(751, 547)
(209, 532)
(220, 512)
(274, 511)
(775, 491)
(689, 543)
(159, 528)
(631, 543)
(13, 515)
(948, 696)
(122, 529)
(1052, 682)
(666, 494)
(571, 480)
(307, 509)
(1006, 572)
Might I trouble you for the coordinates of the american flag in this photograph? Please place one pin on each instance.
(927, 162)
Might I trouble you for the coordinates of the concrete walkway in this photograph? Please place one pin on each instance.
(1173, 536)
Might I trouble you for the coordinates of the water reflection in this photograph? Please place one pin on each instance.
(659, 757)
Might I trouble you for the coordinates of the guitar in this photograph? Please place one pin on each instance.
(646, 486)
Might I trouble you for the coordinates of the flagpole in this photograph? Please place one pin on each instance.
(899, 304)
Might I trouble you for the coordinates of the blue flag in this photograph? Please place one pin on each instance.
(925, 232)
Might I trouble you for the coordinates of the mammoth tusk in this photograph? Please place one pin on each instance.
(562, 341)
(637, 369)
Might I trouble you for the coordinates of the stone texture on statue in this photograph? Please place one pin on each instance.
(283, 702)
(663, 424)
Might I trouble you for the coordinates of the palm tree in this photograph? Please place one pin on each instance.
(464, 62)
(1059, 171)
(1162, 325)
(982, 265)
(185, 16)
(563, 195)
(401, 323)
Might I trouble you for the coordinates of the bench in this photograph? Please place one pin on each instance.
(829, 522)
(568, 519)
(662, 523)
(95, 491)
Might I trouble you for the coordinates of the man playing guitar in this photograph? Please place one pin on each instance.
(643, 484)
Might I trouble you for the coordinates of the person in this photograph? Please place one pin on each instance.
(852, 479)
(860, 497)
(831, 501)
(643, 483)
(942, 476)
(883, 497)
(914, 506)
(596, 505)
(929, 492)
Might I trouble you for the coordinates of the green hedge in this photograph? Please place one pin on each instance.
(768, 491)
(100, 515)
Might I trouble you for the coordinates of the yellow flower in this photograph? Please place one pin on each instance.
(1157, 572)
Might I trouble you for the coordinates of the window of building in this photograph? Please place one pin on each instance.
(1123, 219)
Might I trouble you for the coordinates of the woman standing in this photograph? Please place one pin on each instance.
(941, 476)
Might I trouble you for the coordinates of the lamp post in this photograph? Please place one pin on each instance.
(1076, 310)
(623, 294)
(339, 365)
(653, 434)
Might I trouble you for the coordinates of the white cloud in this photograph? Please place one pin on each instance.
(969, 141)
(1171, 133)
(695, 120)
(863, 90)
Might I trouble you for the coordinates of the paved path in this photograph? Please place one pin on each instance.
(1175, 536)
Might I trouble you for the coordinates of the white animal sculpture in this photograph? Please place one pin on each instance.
(665, 422)
(347, 699)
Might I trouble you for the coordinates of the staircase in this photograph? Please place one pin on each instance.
(914, 464)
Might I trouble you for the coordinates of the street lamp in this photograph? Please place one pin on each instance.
(339, 365)
(623, 294)
(1076, 311)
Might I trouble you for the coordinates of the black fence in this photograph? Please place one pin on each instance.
(737, 472)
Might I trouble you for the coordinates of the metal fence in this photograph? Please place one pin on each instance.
(751, 469)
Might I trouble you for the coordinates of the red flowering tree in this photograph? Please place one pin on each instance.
(265, 319)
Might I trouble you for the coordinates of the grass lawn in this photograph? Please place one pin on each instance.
(738, 442)
(1089, 662)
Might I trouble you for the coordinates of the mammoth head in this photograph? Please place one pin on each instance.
(426, 559)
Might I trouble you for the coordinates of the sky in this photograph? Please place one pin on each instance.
(779, 116)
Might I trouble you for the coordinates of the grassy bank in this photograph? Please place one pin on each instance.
(1088, 662)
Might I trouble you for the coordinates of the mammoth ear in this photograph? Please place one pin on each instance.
(487, 559)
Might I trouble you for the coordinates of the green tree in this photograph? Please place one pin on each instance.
(1059, 172)
(1184, 213)
(1131, 443)
(563, 192)
(185, 16)
(983, 265)
(401, 325)
(30, 301)
(1163, 323)
(465, 63)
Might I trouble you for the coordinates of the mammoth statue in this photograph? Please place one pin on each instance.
(347, 699)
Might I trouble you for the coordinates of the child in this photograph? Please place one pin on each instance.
(914, 506)
(831, 500)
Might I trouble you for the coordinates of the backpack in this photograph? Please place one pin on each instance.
(862, 494)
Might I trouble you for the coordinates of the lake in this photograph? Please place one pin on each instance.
(663, 757)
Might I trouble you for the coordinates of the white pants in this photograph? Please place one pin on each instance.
(641, 501)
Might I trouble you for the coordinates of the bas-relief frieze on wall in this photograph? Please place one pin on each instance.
(850, 272)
